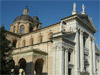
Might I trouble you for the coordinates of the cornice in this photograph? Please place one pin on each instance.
(14, 34)
(33, 50)
(36, 31)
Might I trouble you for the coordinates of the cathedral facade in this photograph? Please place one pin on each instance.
(65, 48)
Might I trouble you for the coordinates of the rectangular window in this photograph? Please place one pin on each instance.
(69, 56)
(69, 71)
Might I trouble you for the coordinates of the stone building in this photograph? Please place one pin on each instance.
(64, 48)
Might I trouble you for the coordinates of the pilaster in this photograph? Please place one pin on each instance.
(94, 58)
(66, 61)
(81, 51)
(90, 56)
(62, 62)
(77, 72)
(58, 60)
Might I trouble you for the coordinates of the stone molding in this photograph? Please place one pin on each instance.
(63, 46)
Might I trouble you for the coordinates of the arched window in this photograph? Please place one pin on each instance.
(14, 29)
(37, 26)
(50, 35)
(31, 41)
(22, 29)
(14, 43)
(31, 28)
(24, 43)
(40, 39)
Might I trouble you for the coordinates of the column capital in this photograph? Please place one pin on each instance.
(81, 32)
(92, 38)
(77, 29)
(66, 49)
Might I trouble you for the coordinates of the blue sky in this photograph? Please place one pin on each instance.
(49, 12)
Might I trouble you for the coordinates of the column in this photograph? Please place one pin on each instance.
(90, 56)
(54, 62)
(77, 53)
(66, 61)
(62, 62)
(94, 59)
(58, 61)
(81, 51)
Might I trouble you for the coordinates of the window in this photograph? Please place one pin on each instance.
(14, 29)
(50, 35)
(85, 68)
(31, 28)
(84, 41)
(69, 56)
(22, 29)
(37, 26)
(40, 39)
(14, 43)
(24, 43)
(69, 71)
(31, 41)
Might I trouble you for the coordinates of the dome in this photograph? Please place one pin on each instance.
(23, 18)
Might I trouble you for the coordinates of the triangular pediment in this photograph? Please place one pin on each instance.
(86, 19)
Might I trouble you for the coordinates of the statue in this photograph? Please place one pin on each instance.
(74, 7)
(83, 7)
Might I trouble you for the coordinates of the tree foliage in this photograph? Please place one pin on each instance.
(5, 53)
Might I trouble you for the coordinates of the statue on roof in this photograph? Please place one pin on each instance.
(74, 7)
(83, 9)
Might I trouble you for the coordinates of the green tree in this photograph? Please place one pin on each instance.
(5, 53)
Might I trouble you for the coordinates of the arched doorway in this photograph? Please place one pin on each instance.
(39, 66)
(22, 64)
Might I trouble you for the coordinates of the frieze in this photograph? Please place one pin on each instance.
(67, 46)
(70, 29)
(62, 46)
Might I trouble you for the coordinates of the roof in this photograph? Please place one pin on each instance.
(23, 18)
